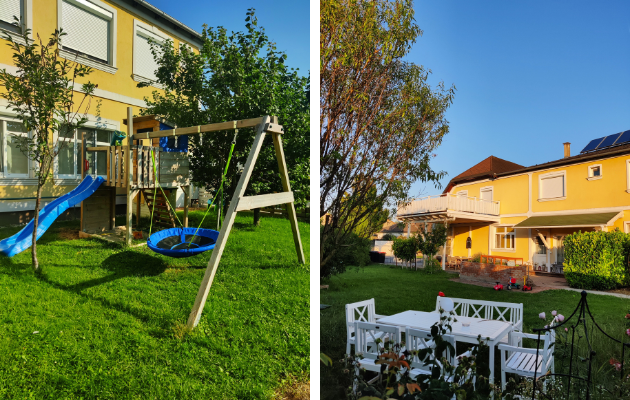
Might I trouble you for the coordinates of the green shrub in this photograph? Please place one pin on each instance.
(351, 250)
(405, 248)
(597, 260)
(388, 236)
(476, 257)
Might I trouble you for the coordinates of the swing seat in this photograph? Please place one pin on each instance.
(176, 242)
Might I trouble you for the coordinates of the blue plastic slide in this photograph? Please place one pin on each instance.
(24, 238)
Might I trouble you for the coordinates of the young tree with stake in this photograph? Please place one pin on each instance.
(42, 96)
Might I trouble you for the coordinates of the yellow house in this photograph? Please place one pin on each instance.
(504, 209)
(111, 37)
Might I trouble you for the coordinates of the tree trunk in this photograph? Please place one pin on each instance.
(35, 224)
(256, 216)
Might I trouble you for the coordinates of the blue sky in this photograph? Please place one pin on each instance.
(530, 75)
(286, 22)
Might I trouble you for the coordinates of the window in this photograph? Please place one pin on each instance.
(97, 159)
(69, 158)
(90, 26)
(144, 64)
(13, 162)
(594, 172)
(9, 9)
(486, 193)
(552, 186)
(504, 238)
(462, 193)
(540, 246)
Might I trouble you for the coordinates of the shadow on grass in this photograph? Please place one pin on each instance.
(122, 265)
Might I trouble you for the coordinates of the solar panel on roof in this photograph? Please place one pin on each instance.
(592, 145)
(608, 141)
(623, 138)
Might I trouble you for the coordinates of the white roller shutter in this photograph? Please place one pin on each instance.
(143, 62)
(486, 194)
(87, 27)
(552, 187)
(9, 8)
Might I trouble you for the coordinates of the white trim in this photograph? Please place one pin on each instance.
(628, 175)
(152, 32)
(78, 86)
(487, 189)
(554, 198)
(550, 175)
(88, 62)
(626, 227)
(589, 172)
(113, 33)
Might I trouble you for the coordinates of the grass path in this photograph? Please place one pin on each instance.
(107, 322)
(396, 290)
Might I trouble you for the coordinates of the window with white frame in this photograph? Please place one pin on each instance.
(462, 193)
(594, 171)
(486, 193)
(504, 238)
(14, 161)
(97, 160)
(552, 186)
(9, 9)
(144, 64)
(69, 158)
(628, 175)
(90, 28)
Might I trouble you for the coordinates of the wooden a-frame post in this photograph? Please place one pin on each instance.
(240, 202)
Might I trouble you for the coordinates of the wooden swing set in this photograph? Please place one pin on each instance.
(129, 166)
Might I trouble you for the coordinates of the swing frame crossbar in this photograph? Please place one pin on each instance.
(267, 125)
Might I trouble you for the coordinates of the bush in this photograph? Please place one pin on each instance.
(476, 257)
(405, 248)
(597, 260)
(388, 236)
(352, 250)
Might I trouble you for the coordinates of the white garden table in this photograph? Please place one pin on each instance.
(490, 330)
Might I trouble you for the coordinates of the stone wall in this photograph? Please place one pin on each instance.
(492, 273)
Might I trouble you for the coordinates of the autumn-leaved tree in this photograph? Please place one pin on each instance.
(236, 76)
(380, 120)
(42, 96)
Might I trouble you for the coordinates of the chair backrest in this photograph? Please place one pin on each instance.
(547, 346)
(494, 310)
(418, 339)
(366, 334)
(362, 311)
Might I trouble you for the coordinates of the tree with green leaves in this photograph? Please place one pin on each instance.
(42, 96)
(236, 76)
(430, 240)
(380, 120)
(405, 248)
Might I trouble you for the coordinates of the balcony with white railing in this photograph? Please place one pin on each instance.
(450, 203)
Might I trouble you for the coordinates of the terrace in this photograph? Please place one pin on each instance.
(454, 208)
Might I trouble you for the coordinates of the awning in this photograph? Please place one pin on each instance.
(570, 221)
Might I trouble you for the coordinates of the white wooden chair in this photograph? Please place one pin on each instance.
(494, 310)
(418, 339)
(362, 311)
(366, 334)
(522, 360)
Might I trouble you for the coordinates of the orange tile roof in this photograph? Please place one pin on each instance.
(486, 168)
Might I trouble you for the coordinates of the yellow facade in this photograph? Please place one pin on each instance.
(116, 91)
(520, 196)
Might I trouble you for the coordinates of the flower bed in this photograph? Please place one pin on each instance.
(492, 272)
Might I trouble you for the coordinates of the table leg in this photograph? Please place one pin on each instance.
(491, 378)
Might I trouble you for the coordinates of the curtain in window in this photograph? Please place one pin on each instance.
(87, 29)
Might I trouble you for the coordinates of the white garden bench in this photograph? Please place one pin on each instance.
(492, 310)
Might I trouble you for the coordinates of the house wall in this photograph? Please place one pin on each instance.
(115, 91)
(519, 201)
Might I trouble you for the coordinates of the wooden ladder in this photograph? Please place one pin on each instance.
(162, 215)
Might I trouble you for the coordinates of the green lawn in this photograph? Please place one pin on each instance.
(396, 290)
(107, 322)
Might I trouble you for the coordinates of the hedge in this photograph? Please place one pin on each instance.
(597, 260)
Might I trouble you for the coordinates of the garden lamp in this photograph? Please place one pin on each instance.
(447, 304)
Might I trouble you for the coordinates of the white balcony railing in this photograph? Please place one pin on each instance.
(450, 202)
